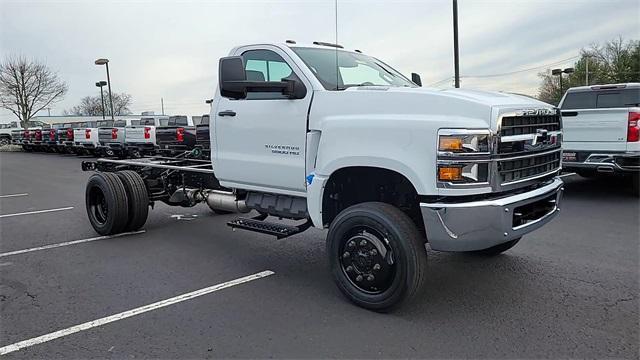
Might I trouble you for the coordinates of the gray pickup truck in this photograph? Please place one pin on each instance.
(112, 137)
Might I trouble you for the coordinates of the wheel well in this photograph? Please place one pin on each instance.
(5, 136)
(354, 185)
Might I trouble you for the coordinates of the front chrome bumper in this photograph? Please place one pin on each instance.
(482, 224)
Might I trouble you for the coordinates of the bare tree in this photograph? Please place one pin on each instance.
(92, 105)
(28, 86)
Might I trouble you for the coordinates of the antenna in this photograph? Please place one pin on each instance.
(337, 68)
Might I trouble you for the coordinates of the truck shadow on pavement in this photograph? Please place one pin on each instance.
(577, 187)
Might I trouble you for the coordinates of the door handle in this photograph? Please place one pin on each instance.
(227, 113)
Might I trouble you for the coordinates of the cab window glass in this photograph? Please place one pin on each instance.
(579, 100)
(265, 65)
(619, 99)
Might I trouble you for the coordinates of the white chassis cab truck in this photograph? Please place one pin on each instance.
(385, 165)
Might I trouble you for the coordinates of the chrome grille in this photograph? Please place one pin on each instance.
(524, 167)
(529, 124)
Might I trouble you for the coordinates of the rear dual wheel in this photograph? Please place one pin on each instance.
(116, 202)
(107, 203)
(138, 199)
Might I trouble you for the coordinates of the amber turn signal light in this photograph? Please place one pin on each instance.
(450, 144)
(450, 173)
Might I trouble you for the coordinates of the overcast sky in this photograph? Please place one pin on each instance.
(170, 49)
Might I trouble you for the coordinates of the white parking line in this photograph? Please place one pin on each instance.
(36, 212)
(129, 313)
(565, 175)
(13, 195)
(51, 246)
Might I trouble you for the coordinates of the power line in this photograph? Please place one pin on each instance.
(523, 70)
(441, 81)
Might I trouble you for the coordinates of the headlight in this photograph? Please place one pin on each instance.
(467, 143)
(463, 157)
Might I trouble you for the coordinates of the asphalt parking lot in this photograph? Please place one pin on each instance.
(567, 290)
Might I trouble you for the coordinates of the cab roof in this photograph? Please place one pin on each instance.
(604, 87)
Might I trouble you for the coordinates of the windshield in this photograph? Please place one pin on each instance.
(353, 69)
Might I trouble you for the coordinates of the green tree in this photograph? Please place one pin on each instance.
(616, 61)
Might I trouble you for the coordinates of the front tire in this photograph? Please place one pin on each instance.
(106, 202)
(376, 255)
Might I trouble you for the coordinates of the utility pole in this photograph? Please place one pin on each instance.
(162, 104)
(49, 111)
(456, 58)
(586, 76)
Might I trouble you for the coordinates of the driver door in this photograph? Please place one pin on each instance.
(260, 140)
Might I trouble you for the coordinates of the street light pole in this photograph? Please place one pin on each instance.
(456, 58)
(100, 84)
(106, 63)
(559, 72)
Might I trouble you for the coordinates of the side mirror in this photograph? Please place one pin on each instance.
(233, 82)
(416, 79)
(231, 75)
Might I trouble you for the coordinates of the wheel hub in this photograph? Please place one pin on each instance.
(367, 261)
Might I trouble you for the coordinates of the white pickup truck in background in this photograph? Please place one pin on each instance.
(140, 137)
(85, 137)
(602, 130)
(6, 132)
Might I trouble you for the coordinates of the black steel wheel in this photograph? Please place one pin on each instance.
(138, 199)
(377, 255)
(106, 203)
(4, 141)
(497, 249)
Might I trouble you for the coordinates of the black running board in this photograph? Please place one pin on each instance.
(258, 224)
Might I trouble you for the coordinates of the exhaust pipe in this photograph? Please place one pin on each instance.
(226, 201)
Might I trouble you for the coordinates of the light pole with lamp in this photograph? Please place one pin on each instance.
(106, 63)
(559, 72)
(100, 84)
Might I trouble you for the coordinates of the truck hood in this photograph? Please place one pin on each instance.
(424, 107)
(490, 98)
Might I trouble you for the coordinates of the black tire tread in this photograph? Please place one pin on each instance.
(408, 232)
(115, 194)
(122, 207)
(138, 199)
